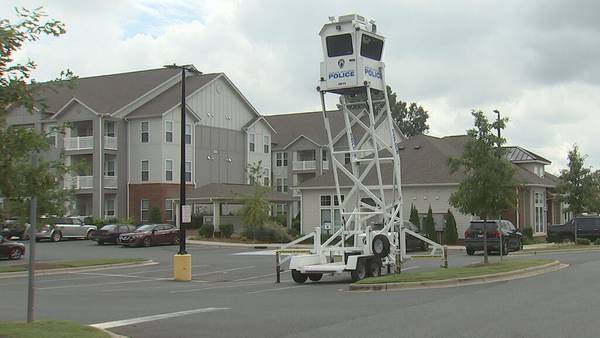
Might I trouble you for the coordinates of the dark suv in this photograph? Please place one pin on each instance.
(498, 231)
(587, 227)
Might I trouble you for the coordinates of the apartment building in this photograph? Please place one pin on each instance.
(125, 131)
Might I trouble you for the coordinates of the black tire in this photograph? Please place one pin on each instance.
(315, 277)
(100, 242)
(470, 251)
(298, 276)
(25, 237)
(360, 272)
(504, 248)
(15, 253)
(37, 239)
(56, 236)
(520, 245)
(380, 246)
(147, 242)
(374, 267)
(91, 235)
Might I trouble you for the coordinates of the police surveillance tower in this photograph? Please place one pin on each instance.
(368, 227)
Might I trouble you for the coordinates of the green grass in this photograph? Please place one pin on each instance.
(564, 246)
(456, 272)
(70, 264)
(49, 329)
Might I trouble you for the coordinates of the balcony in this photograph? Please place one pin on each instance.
(110, 142)
(325, 165)
(80, 182)
(305, 165)
(79, 143)
(110, 182)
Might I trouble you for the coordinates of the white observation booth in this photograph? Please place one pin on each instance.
(352, 52)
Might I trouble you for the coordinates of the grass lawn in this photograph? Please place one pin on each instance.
(456, 272)
(565, 246)
(49, 329)
(70, 264)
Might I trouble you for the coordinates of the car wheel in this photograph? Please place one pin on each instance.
(298, 276)
(15, 253)
(360, 272)
(25, 237)
(470, 252)
(520, 245)
(100, 242)
(56, 236)
(91, 234)
(504, 248)
(380, 245)
(374, 267)
(147, 242)
(315, 277)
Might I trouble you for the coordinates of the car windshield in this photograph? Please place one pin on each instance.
(479, 225)
(109, 227)
(144, 228)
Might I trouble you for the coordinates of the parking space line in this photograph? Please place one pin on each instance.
(103, 284)
(224, 271)
(276, 289)
(239, 285)
(125, 322)
(257, 277)
(115, 275)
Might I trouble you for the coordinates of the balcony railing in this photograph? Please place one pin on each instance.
(80, 182)
(325, 165)
(110, 142)
(79, 143)
(305, 165)
(110, 182)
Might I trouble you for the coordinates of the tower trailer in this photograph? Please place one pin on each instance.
(352, 67)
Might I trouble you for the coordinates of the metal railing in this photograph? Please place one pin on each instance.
(79, 143)
(79, 182)
(305, 165)
(110, 182)
(325, 165)
(110, 142)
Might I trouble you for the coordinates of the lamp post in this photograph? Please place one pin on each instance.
(182, 262)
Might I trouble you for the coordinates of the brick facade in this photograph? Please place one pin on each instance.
(155, 192)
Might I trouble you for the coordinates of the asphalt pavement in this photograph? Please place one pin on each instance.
(234, 294)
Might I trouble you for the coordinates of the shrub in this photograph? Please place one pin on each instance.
(296, 224)
(226, 230)
(206, 230)
(255, 212)
(268, 233)
(583, 241)
(597, 241)
(451, 231)
(155, 215)
(528, 233)
(414, 216)
(429, 224)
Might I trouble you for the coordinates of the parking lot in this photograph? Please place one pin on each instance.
(234, 294)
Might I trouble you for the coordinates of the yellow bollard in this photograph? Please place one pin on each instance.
(182, 267)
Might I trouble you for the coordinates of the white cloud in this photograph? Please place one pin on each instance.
(535, 61)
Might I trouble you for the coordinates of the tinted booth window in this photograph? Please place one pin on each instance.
(339, 45)
(371, 47)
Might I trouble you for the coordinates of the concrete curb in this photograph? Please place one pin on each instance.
(111, 334)
(47, 272)
(454, 282)
(534, 252)
(245, 245)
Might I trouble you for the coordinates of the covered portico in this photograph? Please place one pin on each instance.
(215, 196)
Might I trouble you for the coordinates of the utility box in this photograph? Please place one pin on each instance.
(352, 52)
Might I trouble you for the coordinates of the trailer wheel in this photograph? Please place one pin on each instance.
(315, 277)
(360, 272)
(374, 267)
(381, 246)
(298, 276)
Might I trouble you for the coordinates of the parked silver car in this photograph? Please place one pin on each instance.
(66, 227)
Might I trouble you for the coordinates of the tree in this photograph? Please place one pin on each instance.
(414, 216)
(18, 178)
(489, 187)
(429, 224)
(451, 231)
(155, 215)
(256, 173)
(576, 182)
(411, 118)
(255, 212)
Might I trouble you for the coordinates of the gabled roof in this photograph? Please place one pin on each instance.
(517, 154)
(104, 94)
(425, 162)
(171, 97)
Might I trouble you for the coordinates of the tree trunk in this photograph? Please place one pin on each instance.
(485, 250)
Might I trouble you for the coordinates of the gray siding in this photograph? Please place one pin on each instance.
(220, 145)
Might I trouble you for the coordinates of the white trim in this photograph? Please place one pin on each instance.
(253, 134)
(142, 206)
(165, 131)
(121, 111)
(296, 139)
(142, 131)
(142, 170)
(74, 99)
(165, 170)
(384, 187)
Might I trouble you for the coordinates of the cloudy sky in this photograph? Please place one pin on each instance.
(538, 62)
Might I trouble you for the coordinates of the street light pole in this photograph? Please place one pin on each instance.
(498, 128)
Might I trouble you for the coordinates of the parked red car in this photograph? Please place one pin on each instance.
(10, 249)
(150, 234)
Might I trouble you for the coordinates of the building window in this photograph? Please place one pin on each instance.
(145, 171)
(335, 200)
(251, 140)
(331, 215)
(325, 200)
(109, 128)
(109, 168)
(169, 170)
(144, 132)
(169, 209)
(282, 185)
(324, 155)
(109, 207)
(280, 209)
(281, 159)
(188, 134)
(169, 131)
(52, 134)
(266, 178)
(188, 171)
(144, 209)
(266, 144)
(346, 158)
